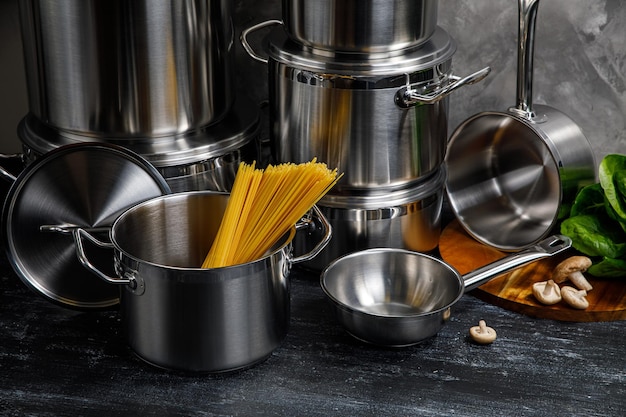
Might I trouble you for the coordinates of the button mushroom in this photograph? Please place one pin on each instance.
(547, 292)
(572, 268)
(575, 298)
(482, 333)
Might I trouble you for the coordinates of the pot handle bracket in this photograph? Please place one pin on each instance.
(413, 94)
(314, 217)
(79, 233)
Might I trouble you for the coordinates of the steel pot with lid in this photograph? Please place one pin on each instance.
(360, 26)
(128, 68)
(205, 159)
(381, 122)
(512, 174)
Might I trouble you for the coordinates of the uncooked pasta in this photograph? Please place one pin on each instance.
(264, 205)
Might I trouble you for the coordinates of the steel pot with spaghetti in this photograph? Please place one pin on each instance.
(187, 306)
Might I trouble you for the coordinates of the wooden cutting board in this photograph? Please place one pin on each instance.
(513, 290)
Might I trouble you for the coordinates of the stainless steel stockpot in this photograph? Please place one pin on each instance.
(128, 68)
(206, 159)
(179, 316)
(381, 122)
(406, 219)
(361, 26)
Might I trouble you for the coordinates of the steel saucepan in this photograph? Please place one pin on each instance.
(395, 297)
(511, 174)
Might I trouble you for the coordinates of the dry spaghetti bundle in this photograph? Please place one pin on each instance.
(263, 205)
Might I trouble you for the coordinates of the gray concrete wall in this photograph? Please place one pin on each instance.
(580, 62)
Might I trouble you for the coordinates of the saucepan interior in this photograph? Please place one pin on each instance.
(395, 297)
(392, 297)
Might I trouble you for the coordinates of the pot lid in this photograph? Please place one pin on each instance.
(437, 50)
(240, 125)
(87, 185)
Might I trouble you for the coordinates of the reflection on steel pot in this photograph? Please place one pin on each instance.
(512, 173)
(128, 68)
(381, 122)
(206, 159)
(85, 185)
(407, 219)
(360, 26)
(394, 297)
(179, 316)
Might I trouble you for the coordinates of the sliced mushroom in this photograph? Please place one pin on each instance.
(482, 333)
(575, 298)
(572, 268)
(547, 292)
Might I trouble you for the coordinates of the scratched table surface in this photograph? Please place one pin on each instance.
(59, 362)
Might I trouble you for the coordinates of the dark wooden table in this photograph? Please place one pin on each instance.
(59, 362)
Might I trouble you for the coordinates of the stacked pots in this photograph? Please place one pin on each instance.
(363, 86)
(152, 76)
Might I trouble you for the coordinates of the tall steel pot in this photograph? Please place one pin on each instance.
(127, 68)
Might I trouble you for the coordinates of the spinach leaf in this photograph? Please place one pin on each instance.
(609, 268)
(612, 175)
(589, 200)
(594, 235)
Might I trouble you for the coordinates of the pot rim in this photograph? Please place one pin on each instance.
(408, 317)
(439, 49)
(240, 126)
(284, 241)
(385, 197)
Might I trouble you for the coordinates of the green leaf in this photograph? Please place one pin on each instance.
(595, 235)
(589, 200)
(612, 175)
(608, 268)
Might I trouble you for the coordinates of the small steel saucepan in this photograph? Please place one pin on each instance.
(395, 297)
(511, 174)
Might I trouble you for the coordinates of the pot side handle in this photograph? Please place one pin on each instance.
(246, 45)
(412, 94)
(315, 215)
(78, 233)
(4, 172)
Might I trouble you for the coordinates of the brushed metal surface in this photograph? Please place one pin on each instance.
(361, 26)
(128, 68)
(395, 297)
(84, 185)
(344, 113)
(513, 174)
